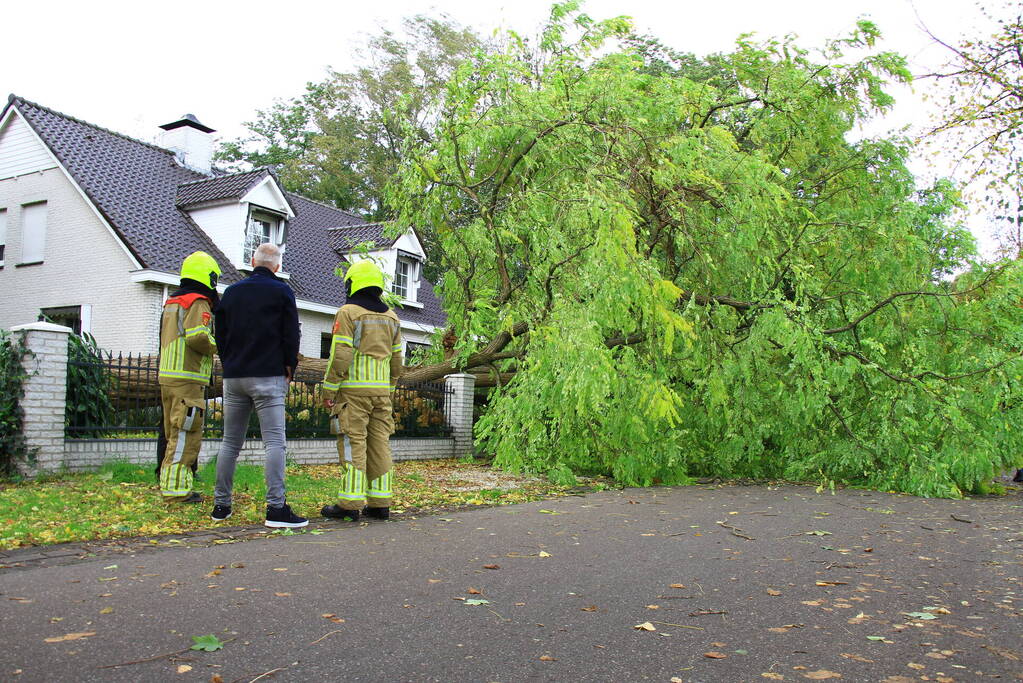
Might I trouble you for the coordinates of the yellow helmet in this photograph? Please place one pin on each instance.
(202, 268)
(364, 274)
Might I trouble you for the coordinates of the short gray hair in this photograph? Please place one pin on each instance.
(267, 255)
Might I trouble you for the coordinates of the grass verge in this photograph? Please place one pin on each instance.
(122, 499)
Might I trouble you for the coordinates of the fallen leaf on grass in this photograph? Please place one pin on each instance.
(106, 610)
(832, 583)
(283, 595)
(821, 674)
(547, 658)
(184, 668)
(812, 603)
(715, 655)
(473, 591)
(477, 601)
(653, 607)
(914, 665)
(543, 554)
(491, 566)
(785, 628)
(69, 636)
(773, 676)
(216, 678)
(676, 585)
(645, 626)
(591, 608)
(771, 591)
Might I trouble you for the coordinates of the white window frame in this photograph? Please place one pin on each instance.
(404, 290)
(33, 232)
(275, 232)
(3, 235)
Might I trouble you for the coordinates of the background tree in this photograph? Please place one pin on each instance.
(981, 90)
(340, 141)
(690, 270)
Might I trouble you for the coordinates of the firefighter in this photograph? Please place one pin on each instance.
(186, 361)
(365, 362)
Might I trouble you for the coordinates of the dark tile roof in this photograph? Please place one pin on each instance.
(132, 183)
(346, 237)
(233, 186)
(139, 189)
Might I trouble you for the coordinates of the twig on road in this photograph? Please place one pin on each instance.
(325, 635)
(736, 531)
(668, 623)
(702, 612)
(269, 673)
(961, 519)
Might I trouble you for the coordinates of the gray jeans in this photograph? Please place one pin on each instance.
(241, 395)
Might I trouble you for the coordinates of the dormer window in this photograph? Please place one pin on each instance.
(262, 226)
(403, 278)
(406, 276)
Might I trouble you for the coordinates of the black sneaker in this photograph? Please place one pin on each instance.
(377, 513)
(220, 513)
(283, 518)
(336, 512)
(193, 497)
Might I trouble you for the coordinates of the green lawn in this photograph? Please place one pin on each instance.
(122, 499)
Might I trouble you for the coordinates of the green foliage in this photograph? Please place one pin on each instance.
(13, 448)
(694, 272)
(88, 386)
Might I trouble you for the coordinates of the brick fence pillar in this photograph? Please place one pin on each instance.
(45, 392)
(460, 411)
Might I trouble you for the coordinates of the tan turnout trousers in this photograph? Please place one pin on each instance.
(364, 451)
(183, 408)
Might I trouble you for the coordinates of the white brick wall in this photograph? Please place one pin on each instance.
(44, 392)
(89, 454)
(83, 264)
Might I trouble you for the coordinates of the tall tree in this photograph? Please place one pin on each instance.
(690, 270)
(340, 141)
(981, 119)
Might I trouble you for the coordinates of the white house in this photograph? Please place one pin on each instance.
(94, 225)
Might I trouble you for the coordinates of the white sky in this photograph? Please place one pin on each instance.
(133, 65)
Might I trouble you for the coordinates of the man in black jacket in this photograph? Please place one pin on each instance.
(257, 337)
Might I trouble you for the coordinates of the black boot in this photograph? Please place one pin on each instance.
(377, 513)
(1019, 475)
(336, 512)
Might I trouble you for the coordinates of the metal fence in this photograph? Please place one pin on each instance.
(118, 396)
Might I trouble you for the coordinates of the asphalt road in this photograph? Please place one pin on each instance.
(738, 583)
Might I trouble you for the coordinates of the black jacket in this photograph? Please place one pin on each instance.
(257, 327)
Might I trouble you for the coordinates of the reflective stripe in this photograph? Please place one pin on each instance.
(189, 420)
(179, 450)
(353, 484)
(348, 449)
(331, 386)
(396, 348)
(348, 341)
(380, 487)
(347, 383)
(175, 480)
(185, 374)
(201, 329)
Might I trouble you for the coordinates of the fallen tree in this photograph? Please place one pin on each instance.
(693, 270)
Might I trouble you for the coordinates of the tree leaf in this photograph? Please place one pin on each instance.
(207, 643)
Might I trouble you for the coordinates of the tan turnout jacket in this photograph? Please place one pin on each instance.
(365, 353)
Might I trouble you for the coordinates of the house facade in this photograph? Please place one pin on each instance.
(94, 225)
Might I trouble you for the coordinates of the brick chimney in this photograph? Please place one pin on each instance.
(191, 142)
